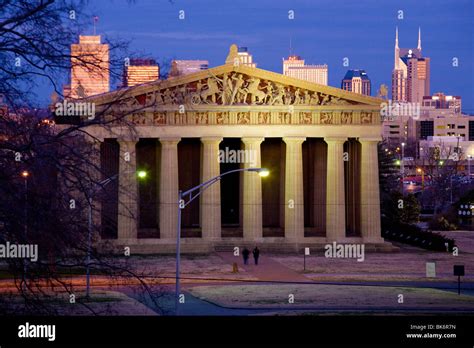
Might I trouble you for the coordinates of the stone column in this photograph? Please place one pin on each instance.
(252, 193)
(294, 199)
(335, 196)
(211, 197)
(128, 191)
(369, 190)
(96, 177)
(169, 186)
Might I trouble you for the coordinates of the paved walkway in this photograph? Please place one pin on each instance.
(266, 270)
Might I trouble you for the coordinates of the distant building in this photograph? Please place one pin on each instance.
(140, 71)
(185, 67)
(246, 58)
(411, 73)
(439, 116)
(441, 101)
(356, 81)
(294, 66)
(89, 68)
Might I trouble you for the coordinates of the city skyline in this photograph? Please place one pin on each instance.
(208, 29)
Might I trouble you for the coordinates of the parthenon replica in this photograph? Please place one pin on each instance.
(318, 142)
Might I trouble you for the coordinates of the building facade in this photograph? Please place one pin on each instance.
(440, 115)
(184, 67)
(246, 58)
(356, 81)
(84, 80)
(140, 71)
(411, 73)
(294, 66)
(319, 144)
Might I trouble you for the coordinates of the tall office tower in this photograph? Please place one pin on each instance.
(184, 67)
(89, 67)
(356, 81)
(246, 58)
(294, 66)
(411, 73)
(140, 71)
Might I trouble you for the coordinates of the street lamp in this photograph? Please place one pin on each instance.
(140, 174)
(422, 172)
(191, 194)
(403, 168)
(469, 157)
(25, 174)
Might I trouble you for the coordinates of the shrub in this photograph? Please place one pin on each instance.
(441, 223)
(413, 235)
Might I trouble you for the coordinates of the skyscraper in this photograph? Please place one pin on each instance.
(184, 67)
(356, 81)
(89, 67)
(140, 71)
(411, 73)
(294, 66)
(246, 58)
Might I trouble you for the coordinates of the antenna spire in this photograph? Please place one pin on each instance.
(419, 38)
(95, 19)
(396, 37)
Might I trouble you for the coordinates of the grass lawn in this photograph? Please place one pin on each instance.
(329, 296)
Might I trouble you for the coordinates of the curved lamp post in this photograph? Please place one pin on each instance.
(190, 195)
(141, 174)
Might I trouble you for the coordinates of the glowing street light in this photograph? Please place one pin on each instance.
(191, 195)
(422, 172)
(141, 175)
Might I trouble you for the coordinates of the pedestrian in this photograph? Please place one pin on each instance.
(245, 254)
(256, 254)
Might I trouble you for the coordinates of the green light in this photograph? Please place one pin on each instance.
(264, 173)
(441, 163)
(142, 174)
(397, 162)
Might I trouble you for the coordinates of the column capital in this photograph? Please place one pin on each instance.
(170, 140)
(211, 140)
(296, 139)
(127, 139)
(335, 139)
(370, 139)
(255, 140)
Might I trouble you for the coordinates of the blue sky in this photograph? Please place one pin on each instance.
(321, 32)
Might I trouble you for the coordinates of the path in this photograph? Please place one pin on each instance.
(266, 270)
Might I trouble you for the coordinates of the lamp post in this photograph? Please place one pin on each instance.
(403, 169)
(25, 174)
(469, 157)
(141, 174)
(191, 194)
(422, 172)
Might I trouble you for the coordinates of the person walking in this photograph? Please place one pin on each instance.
(256, 254)
(245, 254)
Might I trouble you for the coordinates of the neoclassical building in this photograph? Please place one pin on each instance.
(318, 142)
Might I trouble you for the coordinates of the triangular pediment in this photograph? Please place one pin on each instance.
(234, 85)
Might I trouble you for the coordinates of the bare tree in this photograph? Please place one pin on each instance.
(47, 206)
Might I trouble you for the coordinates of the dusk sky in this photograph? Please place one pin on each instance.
(322, 32)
